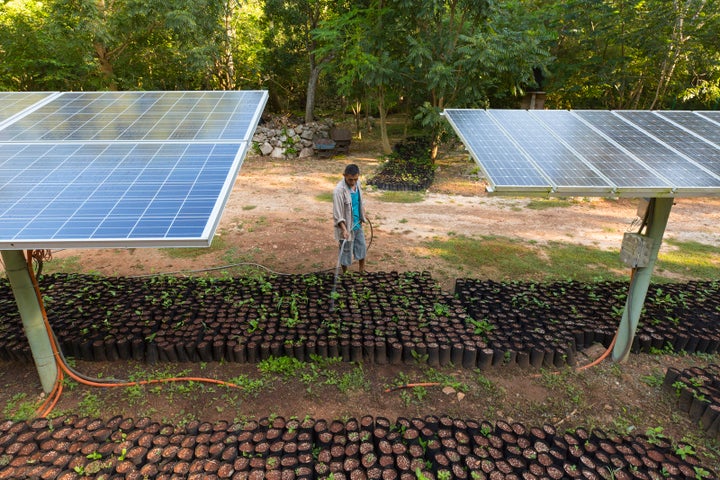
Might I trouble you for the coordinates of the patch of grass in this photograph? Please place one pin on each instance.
(19, 408)
(508, 259)
(250, 386)
(90, 406)
(583, 263)
(545, 203)
(218, 244)
(68, 264)
(655, 379)
(324, 197)
(249, 207)
(353, 380)
(691, 259)
(288, 367)
(401, 197)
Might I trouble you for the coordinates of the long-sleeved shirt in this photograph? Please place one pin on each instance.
(342, 208)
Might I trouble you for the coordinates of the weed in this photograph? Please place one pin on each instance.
(655, 379)
(18, 408)
(90, 405)
(250, 386)
(482, 327)
(353, 380)
(684, 450)
(288, 367)
(655, 435)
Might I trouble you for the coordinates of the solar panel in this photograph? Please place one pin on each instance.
(505, 165)
(101, 169)
(594, 153)
(621, 170)
(13, 103)
(139, 116)
(665, 148)
(566, 170)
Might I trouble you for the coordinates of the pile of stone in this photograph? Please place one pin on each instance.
(280, 137)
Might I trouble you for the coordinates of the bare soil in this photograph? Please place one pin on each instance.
(278, 216)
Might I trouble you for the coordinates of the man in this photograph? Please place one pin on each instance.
(348, 217)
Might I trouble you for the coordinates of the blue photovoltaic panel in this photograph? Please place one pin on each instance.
(13, 103)
(654, 151)
(505, 165)
(712, 115)
(130, 189)
(622, 171)
(105, 192)
(703, 145)
(140, 116)
(565, 169)
(590, 152)
(696, 122)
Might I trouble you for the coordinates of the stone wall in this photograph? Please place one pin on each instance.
(280, 137)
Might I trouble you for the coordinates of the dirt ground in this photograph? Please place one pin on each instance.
(278, 216)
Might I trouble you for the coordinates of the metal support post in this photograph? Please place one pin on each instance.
(656, 223)
(31, 314)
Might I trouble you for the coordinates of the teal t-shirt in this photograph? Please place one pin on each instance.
(355, 196)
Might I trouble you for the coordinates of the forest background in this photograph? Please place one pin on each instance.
(318, 58)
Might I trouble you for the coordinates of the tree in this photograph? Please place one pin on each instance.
(365, 57)
(293, 24)
(632, 54)
(462, 52)
(31, 58)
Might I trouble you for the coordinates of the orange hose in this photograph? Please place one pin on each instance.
(54, 396)
(601, 357)
(609, 349)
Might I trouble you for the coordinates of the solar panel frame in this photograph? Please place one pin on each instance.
(125, 191)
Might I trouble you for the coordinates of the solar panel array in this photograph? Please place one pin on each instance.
(592, 152)
(120, 169)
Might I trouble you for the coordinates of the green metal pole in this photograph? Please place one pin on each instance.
(31, 315)
(657, 221)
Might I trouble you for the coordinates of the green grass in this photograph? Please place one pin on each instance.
(543, 204)
(68, 264)
(507, 259)
(690, 259)
(324, 197)
(218, 244)
(20, 408)
(402, 197)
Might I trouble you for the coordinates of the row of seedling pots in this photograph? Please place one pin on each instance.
(382, 317)
(677, 317)
(697, 393)
(433, 447)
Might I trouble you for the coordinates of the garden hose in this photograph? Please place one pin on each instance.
(338, 265)
(242, 264)
(64, 369)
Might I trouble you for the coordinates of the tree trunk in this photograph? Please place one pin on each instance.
(386, 148)
(311, 89)
(228, 76)
(676, 47)
(106, 66)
